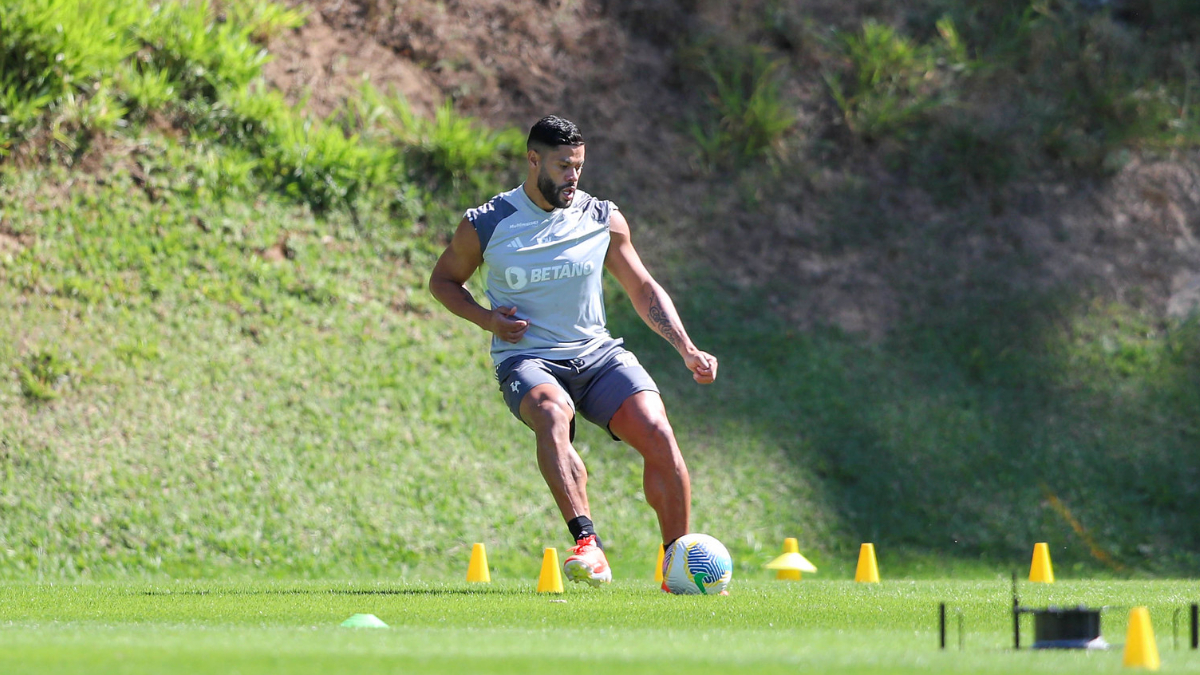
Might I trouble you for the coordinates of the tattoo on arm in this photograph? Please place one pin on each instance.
(660, 320)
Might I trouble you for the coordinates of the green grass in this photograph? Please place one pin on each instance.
(178, 406)
(631, 627)
(219, 357)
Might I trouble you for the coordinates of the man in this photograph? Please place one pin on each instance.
(544, 243)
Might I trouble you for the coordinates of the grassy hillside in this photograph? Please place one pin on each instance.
(219, 356)
(201, 408)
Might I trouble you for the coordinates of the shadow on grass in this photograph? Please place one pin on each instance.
(988, 420)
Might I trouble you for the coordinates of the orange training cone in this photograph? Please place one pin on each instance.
(550, 580)
(1041, 570)
(1141, 651)
(478, 569)
(868, 568)
(658, 567)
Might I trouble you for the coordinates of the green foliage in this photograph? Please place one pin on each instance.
(145, 89)
(260, 20)
(41, 376)
(1097, 110)
(60, 52)
(1079, 89)
(894, 82)
(201, 68)
(205, 57)
(1089, 85)
(747, 116)
(67, 64)
(308, 159)
(273, 382)
(448, 153)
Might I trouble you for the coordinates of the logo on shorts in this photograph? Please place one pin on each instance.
(627, 359)
(516, 386)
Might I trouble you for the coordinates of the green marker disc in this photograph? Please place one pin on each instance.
(364, 621)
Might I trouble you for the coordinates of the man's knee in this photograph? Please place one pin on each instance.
(644, 423)
(547, 410)
(657, 429)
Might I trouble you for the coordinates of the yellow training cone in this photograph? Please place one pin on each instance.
(658, 567)
(1140, 649)
(550, 580)
(868, 568)
(791, 563)
(1041, 570)
(478, 569)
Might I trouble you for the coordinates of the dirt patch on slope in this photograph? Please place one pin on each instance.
(507, 62)
(327, 66)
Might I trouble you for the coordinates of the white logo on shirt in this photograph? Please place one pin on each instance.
(519, 278)
(515, 243)
(515, 276)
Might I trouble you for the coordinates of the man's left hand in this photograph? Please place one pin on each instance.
(703, 366)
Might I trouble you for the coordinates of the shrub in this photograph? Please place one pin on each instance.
(59, 52)
(746, 117)
(893, 81)
(448, 151)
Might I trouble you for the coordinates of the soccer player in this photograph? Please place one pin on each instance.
(545, 243)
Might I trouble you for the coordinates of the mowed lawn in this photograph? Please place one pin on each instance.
(505, 627)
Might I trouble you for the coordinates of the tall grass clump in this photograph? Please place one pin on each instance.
(892, 81)
(82, 67)
(57, 58)
(72, 70)
(446, 154)
(746, 115)
(1083, 86)
(308, 159)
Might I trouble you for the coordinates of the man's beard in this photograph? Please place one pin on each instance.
(554, 193)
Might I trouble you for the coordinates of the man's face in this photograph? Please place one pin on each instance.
(558, 174)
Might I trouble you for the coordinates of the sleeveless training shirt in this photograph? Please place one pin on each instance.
(549, 266)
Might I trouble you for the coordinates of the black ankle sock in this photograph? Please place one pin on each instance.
(667, 546)
(581, 527)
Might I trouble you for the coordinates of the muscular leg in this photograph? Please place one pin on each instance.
(641, 421)
(546, 409)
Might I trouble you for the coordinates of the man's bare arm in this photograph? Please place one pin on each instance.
(651, 300)
(448, 281)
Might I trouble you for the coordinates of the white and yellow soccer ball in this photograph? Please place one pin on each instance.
(697, 564)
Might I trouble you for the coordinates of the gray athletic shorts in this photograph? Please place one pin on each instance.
(596, 384)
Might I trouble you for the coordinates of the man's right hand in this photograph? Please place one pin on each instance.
(505, 327)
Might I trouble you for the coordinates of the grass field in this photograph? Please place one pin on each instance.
(218, 357)
(630, 627)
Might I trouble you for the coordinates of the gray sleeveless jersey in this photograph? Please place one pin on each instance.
(548, 265)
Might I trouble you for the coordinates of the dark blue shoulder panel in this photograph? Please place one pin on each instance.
(485, 218)
(598, 209)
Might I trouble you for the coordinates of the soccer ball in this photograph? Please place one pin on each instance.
(697, 564)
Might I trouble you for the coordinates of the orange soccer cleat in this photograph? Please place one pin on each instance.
(587, 563)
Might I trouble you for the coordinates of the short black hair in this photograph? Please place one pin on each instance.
(552, 131)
